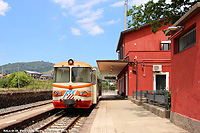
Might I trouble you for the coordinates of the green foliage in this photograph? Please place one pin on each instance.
(169, 99)
(151, 13)
(13, 79)
(3, 83)
(38, 66)
(105, 86)
(26, 82)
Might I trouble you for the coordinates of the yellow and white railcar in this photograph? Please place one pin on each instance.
(75, 85)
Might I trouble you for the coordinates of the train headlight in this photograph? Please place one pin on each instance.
(84, 93)
(80, 93)
(59, 93)
(55, 93)
(70, 62)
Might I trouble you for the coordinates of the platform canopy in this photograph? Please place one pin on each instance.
(111, 67)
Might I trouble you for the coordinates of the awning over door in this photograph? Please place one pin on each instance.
(111, 67)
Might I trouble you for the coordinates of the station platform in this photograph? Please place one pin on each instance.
(116, 115)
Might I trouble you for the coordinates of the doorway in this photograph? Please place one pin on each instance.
(161, 81)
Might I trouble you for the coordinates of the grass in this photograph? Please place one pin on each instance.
(34, 84)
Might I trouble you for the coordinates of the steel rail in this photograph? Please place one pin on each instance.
(17, 110)
(49, 124)
(71, 124)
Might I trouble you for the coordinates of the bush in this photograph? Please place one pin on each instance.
(3, 83)
(24, 79)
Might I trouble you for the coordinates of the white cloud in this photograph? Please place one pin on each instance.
(65, 3)
(92, 17)
(62, 37)
(139, 2)
(4, 7)
(85, 5)
(92, 28)
(64, 14)
(117, 4)
(84, 13)
(54, 18)
(96, 30)
(111, 22)
(76, 31)
(89, 23)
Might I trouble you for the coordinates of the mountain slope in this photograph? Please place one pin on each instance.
(38, 66)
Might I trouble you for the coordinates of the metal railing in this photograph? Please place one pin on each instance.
(155, 97)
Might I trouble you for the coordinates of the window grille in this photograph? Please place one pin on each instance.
(187, 40)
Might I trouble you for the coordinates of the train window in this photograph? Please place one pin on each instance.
(61, 74)
(94, 77)
(81, 74)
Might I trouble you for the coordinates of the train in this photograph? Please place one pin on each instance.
(75, 85)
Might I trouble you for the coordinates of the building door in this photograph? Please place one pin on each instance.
(160, 82)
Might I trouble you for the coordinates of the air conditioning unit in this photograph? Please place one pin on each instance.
(157, 68)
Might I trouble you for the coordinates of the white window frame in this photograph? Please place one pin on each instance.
(161, 73)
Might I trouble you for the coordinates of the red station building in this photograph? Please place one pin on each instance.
(144, 61)
(185, 74)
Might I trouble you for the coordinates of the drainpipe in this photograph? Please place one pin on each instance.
(136, 78)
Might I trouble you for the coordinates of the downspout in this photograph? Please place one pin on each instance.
(136, 78)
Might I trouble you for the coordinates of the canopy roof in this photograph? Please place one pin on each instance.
(111, 67)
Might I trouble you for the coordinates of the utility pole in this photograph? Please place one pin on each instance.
(2, 72)
(125, 10)
(18, 77)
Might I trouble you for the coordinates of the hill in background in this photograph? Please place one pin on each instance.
(38, 66)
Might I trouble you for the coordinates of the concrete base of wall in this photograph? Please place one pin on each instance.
(186, 123)
(15, 98)
(163, 113)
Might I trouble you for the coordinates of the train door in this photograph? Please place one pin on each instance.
(94, 86)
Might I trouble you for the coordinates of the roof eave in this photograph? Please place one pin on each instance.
(185, 17)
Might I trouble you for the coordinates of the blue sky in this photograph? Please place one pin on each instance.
(56, 30)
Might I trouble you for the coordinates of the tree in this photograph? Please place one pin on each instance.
(24, 79)
(151, 13)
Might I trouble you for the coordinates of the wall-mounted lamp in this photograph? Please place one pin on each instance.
(175, 28)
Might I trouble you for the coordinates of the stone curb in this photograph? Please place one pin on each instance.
(88, 123)
(161, 112)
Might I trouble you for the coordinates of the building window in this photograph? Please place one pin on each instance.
(165, 45)
(121, 52)
(187, 40)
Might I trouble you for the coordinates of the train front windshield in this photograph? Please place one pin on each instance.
(81, 74)
(61, 74)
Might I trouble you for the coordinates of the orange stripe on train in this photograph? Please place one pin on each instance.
(70, 87)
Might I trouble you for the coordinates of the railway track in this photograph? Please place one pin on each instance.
(62, 123)
(69, 120)
(21, 109)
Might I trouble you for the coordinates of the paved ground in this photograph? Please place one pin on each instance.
(13, 119)
(123, 116)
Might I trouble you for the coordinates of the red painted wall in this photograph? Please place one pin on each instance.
(144, 39)
(186, 74)
(145, 45)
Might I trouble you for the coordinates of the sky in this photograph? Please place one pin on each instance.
(57, 30)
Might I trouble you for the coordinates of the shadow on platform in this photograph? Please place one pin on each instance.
(111, 96)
